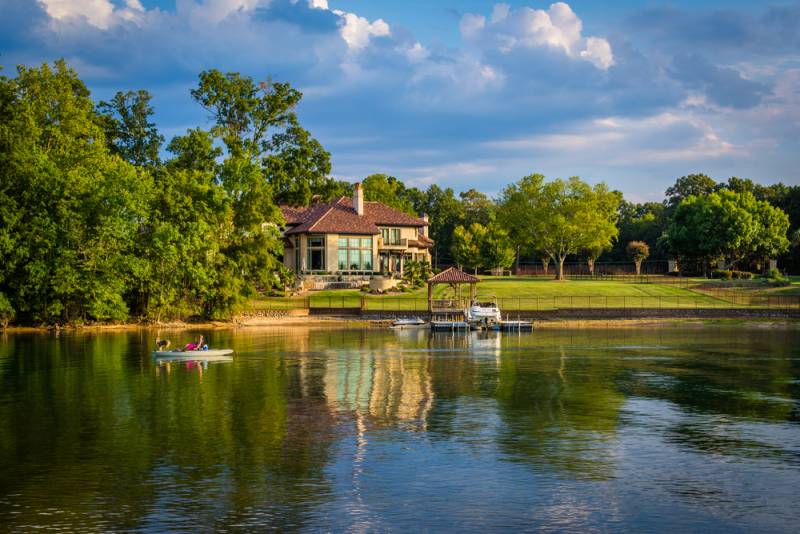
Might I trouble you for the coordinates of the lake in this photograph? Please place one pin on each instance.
(645, 429)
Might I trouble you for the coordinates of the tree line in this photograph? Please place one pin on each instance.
(102, 218)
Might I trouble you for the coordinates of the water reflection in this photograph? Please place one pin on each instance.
(371, 429)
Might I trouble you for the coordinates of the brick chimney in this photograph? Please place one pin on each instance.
(424, 229)
(358, 199)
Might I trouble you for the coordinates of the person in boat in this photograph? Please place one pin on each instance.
(198, 345)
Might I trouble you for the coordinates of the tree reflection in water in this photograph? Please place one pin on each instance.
(315, 427)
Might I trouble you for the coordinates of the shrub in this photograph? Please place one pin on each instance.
(722, 274)
(7, 312)
(775, 274)
(742, 275)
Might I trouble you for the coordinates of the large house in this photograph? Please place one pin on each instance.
(353, 237)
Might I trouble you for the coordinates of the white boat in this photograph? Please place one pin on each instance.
(480, 311)
(211, 355)
(402, 324)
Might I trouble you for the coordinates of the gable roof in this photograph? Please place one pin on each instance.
(453, 276)
(340, 217)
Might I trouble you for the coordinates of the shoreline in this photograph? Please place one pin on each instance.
(353, 322)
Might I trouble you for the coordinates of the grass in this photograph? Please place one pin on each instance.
(525, 293)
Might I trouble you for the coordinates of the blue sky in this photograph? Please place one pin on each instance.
(466, 93)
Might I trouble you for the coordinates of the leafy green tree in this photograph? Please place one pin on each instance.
(445, 212)
(770, 240)
(467, 246)
(570, 216)
(592, 254)
(194, 151)
(387, 190)
(478, 208)
(128, 128)
(727, 225)
(638, 252)
(640, 222)
(516, 212)
(496, 249)
(690, 185)
(82, 207)
(298, 168)
(416, 273)
(251, 120)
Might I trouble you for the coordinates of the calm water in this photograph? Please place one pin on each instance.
(372, 430)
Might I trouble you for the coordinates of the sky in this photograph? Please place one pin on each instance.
(465, 93)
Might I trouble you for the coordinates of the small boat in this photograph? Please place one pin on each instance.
(402, 324)
(211, 355)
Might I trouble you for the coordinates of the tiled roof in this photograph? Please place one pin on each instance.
(422, 241)
(340, 217)
(453, 276)
(292, 215)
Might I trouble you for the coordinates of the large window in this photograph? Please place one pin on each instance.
(355, 254)
(390, 236)
(316, 254)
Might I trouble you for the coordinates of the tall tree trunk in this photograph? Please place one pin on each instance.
(545, 264)
(560, 267)
(516, 270)
(590, 261)
(638, 267)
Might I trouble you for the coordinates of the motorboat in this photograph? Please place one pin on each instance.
(410, 323)
(483, 311)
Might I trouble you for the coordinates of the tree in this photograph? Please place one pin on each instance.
(194, 151)
(251, 120)
(516, 211)
(387, 190)
(446, 212)
(727, 225)
(478, 208)
(496, 249)
(129, 131)
(686, 186)
(467, 245)
(571, 216)
(638, 251)
(639, 222)
(592, 253)
(82, 207)
(298, 168)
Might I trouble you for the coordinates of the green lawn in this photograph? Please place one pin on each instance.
(544, 294)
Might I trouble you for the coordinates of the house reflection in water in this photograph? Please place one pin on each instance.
(384, 387)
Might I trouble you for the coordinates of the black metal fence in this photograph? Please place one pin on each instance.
(712, 300)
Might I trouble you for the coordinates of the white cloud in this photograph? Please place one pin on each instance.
(98, 13)
(356, 31)
(101, 14)
(558, 27)
(672, 136)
